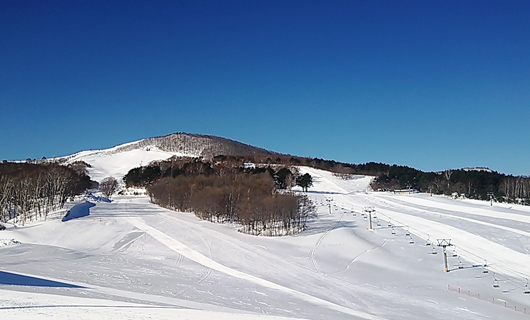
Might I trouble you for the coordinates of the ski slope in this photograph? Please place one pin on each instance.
(111, 163)
(130, 259)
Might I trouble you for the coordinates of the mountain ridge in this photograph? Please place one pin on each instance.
(118, 160)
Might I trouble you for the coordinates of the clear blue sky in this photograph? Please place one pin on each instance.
(428, 84)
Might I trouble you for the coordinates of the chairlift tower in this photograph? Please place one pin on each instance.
(329, 200)
(491, 195)
(444, 243)
(369, 210)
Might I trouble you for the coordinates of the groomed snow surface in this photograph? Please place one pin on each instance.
(130, 259)
(109, 163)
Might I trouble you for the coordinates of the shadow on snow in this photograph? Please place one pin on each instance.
(78, 211)
(21, 280)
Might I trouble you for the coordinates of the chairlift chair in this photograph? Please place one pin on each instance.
(393, 230)
(496, 283)
(434, 250)
(411, 241)
(526, 288)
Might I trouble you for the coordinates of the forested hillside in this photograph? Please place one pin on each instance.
(196, 144)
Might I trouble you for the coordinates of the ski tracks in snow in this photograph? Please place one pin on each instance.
(319, 242)
(197, 257)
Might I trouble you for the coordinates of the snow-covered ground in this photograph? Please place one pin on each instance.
(130, 259)
(110, 163)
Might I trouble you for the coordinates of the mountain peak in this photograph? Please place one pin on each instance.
(117, 161)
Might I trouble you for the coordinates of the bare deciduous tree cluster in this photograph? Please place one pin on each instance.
(516, 187)
(108, 186)
(249, 199)
(31, 191)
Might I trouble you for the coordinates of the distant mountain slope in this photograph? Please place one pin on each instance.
(117, 161)
(197, 145)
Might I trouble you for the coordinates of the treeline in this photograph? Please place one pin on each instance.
(284, 177)
(30, 191)
(221, 164)
(476, 184)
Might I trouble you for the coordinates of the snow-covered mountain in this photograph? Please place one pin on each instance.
(117, 161)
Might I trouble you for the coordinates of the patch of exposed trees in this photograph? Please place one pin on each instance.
(226, 191)
(30, 191)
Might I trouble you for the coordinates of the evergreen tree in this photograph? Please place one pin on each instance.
(305, 181)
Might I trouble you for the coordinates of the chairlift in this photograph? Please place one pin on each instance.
(434, 250)
(407, 233)
(428, 243)
(485, 270)
(411, 241)
(460, 264)
(454, 253)
(495, 282)
(526, 288)
(378, 223)
(393, 230)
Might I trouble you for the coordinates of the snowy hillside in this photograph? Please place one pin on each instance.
(108, 163)
(130, 259)
(117, 161)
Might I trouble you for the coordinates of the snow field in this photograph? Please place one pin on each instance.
(133, 259)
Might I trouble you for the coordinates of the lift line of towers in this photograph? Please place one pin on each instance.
(369, 214)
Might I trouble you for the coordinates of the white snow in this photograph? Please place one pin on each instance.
(109, 163)
(130, 259)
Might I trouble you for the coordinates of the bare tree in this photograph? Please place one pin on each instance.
(447, 175)
(108, 186)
